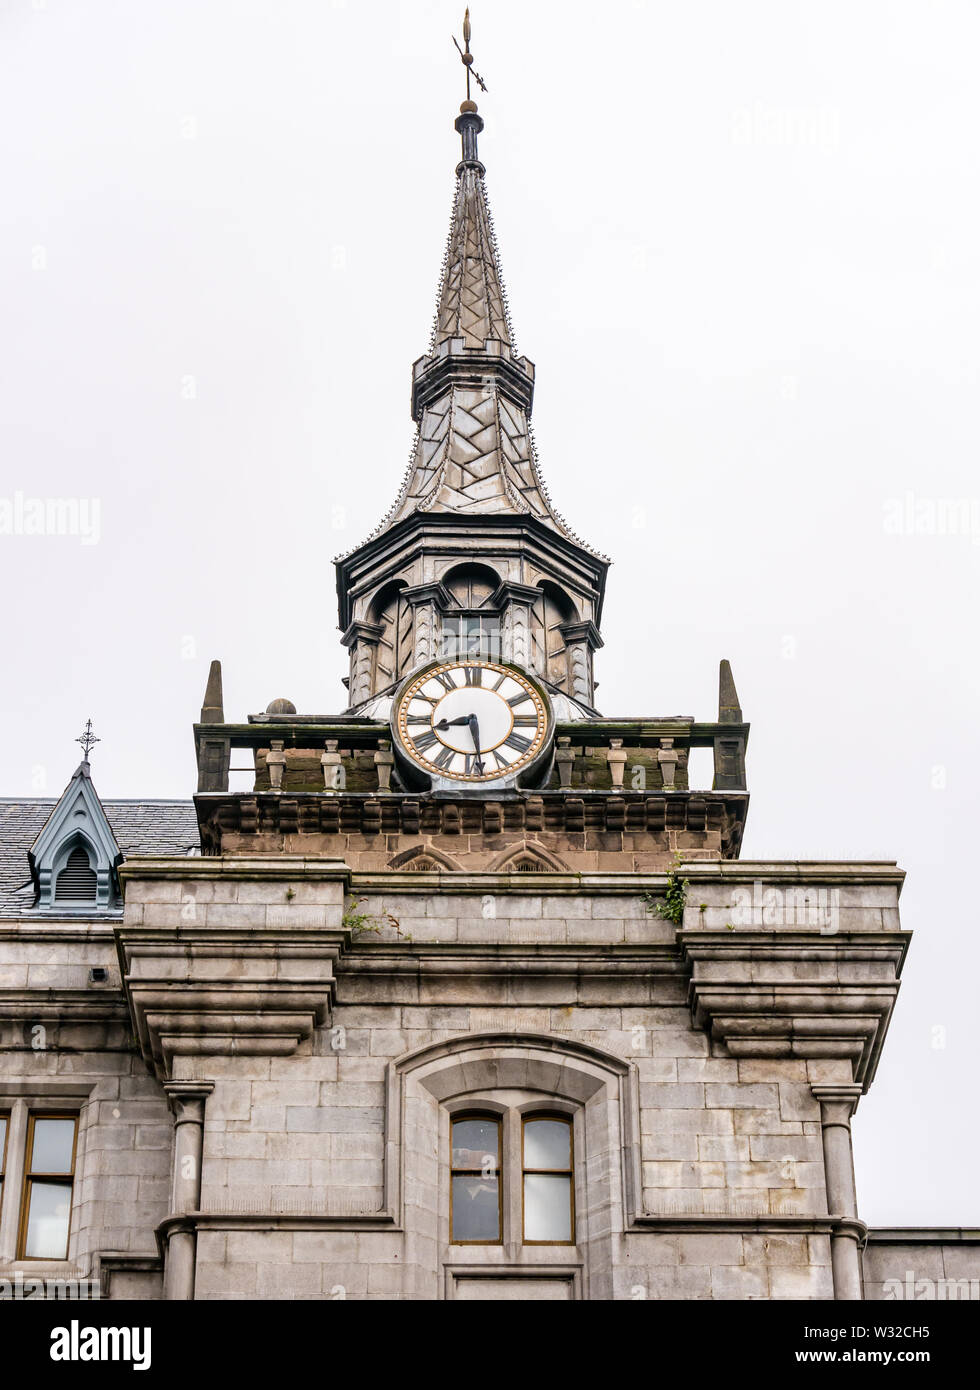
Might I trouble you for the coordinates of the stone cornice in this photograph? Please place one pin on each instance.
(284, 867)
(817, 871)
(471, 368)
(737, 1223)
(359, 631)
(247, 976)
(795, 993)
(581, 632)
(925, 1235)
(572, 811)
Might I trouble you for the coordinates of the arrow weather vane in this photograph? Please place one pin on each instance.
(88, 739)
(467, 57)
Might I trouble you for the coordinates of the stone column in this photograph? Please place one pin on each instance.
(10, 1214)
(187, 1103)
(515, 604)
(582, 641)
(429, 602)
(837, 1105)
(361, 639)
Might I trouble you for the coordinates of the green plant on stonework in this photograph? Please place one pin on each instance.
(671, 906)
(364, 923)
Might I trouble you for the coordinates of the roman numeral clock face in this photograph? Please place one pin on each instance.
(471, 721)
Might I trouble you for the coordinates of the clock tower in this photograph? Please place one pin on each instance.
(472, 618)
(469, 994)
(472, 559)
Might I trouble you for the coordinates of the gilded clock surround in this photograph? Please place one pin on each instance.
(407, 740)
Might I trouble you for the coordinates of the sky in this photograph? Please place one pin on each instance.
(741, 244)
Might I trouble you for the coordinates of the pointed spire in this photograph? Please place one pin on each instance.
(212, 711)
(729, 710)
(471, 302)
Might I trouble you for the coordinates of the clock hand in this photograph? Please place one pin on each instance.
(474, 724)
(450, 723)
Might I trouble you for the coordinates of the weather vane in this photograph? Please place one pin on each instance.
(88, 739)
(467, 57)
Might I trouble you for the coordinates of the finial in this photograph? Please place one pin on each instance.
(468, 122)
(729, 709)
(87, 739)
(212, 711)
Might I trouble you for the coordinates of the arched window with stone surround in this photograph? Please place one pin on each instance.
(392, 613)
(471, 627)
(551, 611)
(557, 1144)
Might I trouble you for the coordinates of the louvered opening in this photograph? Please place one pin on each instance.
(76, 882)
(420, 865)
(527, 866)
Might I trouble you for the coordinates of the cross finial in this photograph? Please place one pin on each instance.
(467, 59)
(88, 740)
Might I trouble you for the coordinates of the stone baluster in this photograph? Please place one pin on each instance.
(616, 758)
(384, 761)
(668, 757)
(333, 769)
(275, 761)
(564, 758)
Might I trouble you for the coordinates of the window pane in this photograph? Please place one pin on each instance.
(547, 1207)
(547, 1144)
(3, 1139)
(53, 1144)
(47, 1221)
(476, 1209)
(475, 1145)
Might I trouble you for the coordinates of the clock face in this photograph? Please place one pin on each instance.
(471, 721)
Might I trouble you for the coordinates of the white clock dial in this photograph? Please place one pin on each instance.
(471, 721)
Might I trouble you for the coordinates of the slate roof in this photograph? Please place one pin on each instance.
(140, 827)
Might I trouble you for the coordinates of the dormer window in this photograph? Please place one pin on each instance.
(74, 859)
(77, 881)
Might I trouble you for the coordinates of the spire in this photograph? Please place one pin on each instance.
(212, 711)
(472, 393)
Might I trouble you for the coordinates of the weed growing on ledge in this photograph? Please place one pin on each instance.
(671, 906)
(363, 923)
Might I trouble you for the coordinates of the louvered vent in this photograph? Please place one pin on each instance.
(76, 882)
(420, 865)
(527, 866)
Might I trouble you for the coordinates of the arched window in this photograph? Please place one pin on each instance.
(554, 608)
(548, 1188)
(77, 881)
(475, 1213)
(392, 612)
(471, 629)
(490, 1175)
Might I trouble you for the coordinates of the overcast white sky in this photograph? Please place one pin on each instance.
(741, 242)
